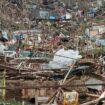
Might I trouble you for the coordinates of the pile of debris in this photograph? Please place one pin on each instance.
(55, 55)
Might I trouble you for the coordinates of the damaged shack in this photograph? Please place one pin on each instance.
(52, 52)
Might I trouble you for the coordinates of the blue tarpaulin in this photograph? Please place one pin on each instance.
(52, 17)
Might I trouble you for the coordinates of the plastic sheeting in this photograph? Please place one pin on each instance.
(2, 47)
(5, 35)
(63, 58)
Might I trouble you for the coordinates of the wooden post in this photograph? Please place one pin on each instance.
(68, 72)
(36, 100)
(4, 85)
(23, 96)
(23, 102)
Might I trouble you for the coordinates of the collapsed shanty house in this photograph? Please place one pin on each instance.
(37, 77)
(95, 31)
(39, 84)
(45, 61)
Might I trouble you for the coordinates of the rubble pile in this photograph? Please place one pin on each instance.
(52, 52)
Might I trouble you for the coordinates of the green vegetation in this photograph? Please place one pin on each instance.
(12, 102)
(98, 50)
